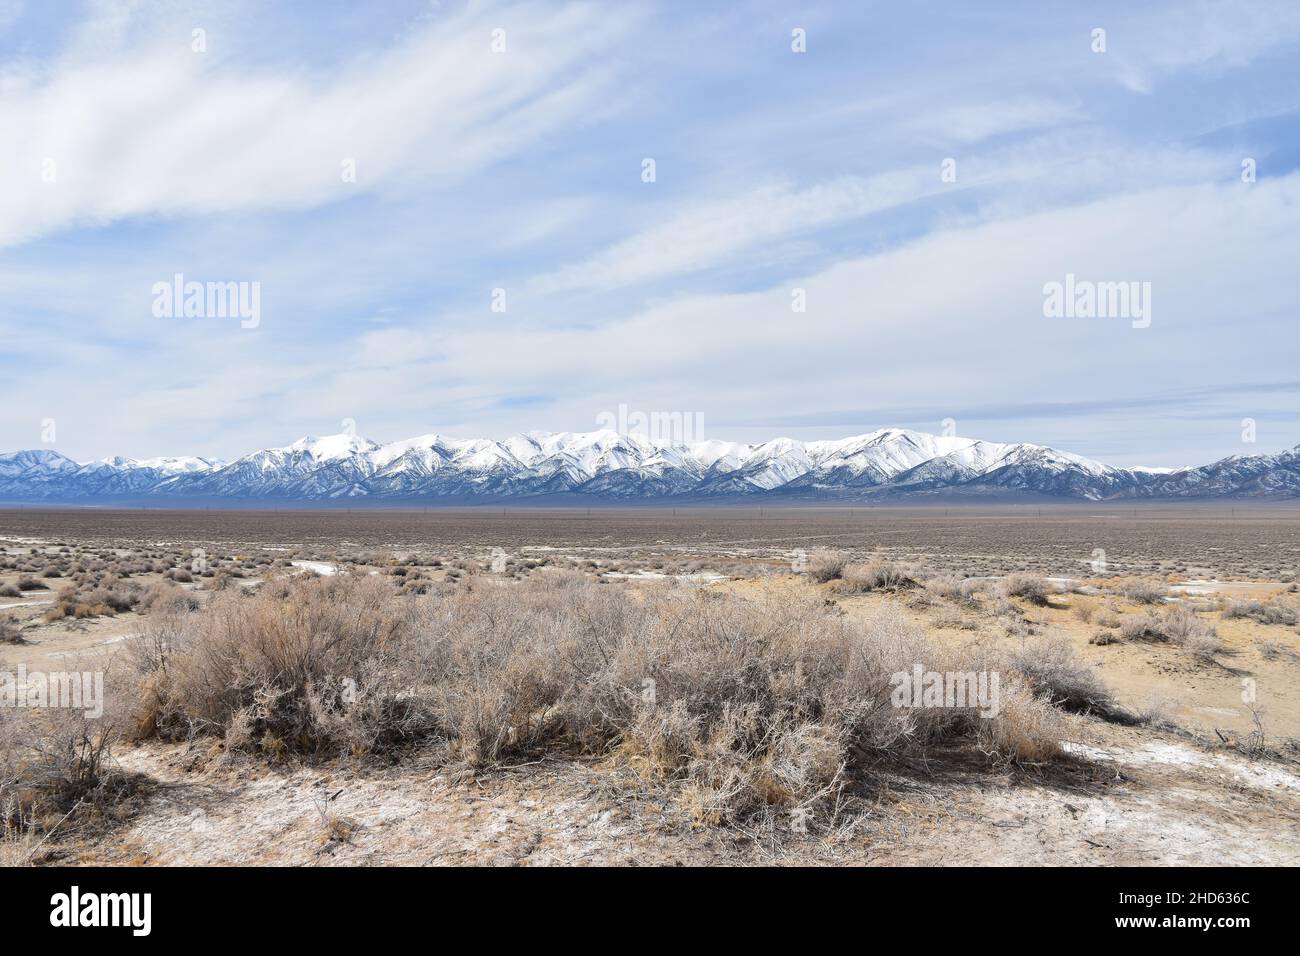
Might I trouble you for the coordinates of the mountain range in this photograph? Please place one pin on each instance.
(891, 463)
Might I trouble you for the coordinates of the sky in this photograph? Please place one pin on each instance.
(801, 219)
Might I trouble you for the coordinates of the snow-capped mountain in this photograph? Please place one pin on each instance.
(889, 463)
(1256, 476)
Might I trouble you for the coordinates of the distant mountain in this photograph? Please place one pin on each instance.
(891, 463)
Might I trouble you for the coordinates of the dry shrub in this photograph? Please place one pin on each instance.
(1031, 587)
(1027, 728)
(763, 705)
(740, 708)
(1108, 616)
(1261, 612)
(221, 579)
(503, 662)
(1159, 712)
(1179, 626)
(100, 600)
(1144, 592)
(951, 587)
(56, 769)
(114, 597)
(876, 576)
(1143, 627)
(1272, 650)
(277, 674)
(1051, 667)
(1198, 638)
(825, 565)
(164, 596)
(1203, 644)
(10, 630)
(999, 605)
(951, 617)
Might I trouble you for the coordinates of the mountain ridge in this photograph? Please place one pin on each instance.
(605, 464)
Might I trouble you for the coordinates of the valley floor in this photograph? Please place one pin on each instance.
(1167, 793)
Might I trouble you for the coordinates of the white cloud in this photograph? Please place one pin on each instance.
(705, 234)
(158, 129)
(1146, 46)
(973, 122)
(699, 235)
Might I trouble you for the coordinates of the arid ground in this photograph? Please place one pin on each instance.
(1248, 539)
(1186, 616)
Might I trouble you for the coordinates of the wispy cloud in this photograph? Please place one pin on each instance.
(707, 234)
(129, 129)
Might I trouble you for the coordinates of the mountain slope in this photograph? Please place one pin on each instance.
(884, 464)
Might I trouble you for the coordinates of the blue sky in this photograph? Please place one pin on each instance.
(774, 171)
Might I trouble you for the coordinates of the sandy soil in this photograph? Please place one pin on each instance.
(1125, 798)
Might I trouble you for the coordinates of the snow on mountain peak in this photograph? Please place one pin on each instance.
(332, 447)
(605, 462)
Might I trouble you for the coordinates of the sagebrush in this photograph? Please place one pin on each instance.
(739, 706)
